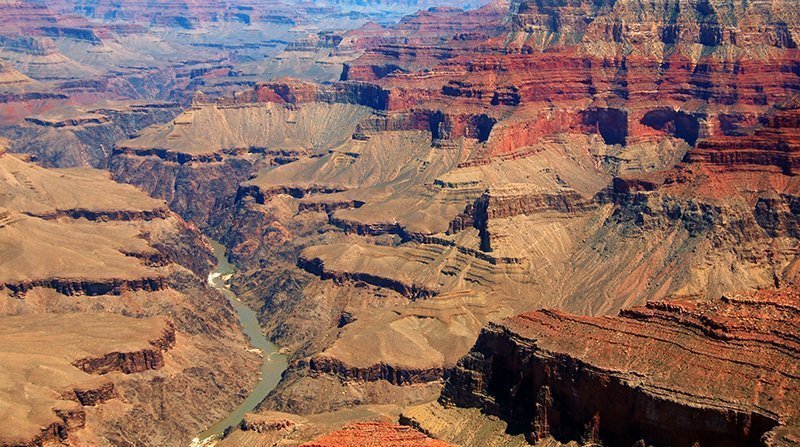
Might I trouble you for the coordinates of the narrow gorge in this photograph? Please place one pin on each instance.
(273, 363)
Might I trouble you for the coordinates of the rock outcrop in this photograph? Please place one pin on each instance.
(774, 144)
(531, 165)
(674, 373)
(50, 344)
(106, 325)
(375, 434)
(457, 168)
(131, 362)
(84, 137)
(683, 69)
(196, 162)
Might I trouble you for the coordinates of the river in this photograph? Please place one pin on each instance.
(272, 366)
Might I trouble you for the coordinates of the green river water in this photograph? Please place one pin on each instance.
(273, 363)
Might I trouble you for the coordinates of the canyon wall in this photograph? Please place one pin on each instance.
(616, 380)
(108, 324)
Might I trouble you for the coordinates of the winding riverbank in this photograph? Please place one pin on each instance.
(273, 363)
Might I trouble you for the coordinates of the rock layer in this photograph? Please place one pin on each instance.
(679, 372)
(106, 324)
(51, 343)
(461, 171)
(375, 434)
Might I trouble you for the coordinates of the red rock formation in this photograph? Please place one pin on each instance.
(287, 91)
(626, 71)
(377, 434)
(776, 144)
(720, 373)
(431, 77)
(720, 169)
(561, 52)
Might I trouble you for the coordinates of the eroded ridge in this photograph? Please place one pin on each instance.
(48, 362)
(104, 321)
(723, 372)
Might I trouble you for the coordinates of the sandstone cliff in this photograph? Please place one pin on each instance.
(680, 372)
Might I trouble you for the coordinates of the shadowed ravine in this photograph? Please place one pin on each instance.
(271, 369)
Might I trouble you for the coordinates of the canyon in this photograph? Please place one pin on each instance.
(551, 223)
(107, 324)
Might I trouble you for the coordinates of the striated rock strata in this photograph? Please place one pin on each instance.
(106, 321)
(375, 434)
(719, 373)
(51, 343)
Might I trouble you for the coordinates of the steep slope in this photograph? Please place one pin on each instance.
(68, 136)
(616, 380)
(630, 71)
(712, 210)
(197, 161)
(466, 167)
(52, 355)
(108, 326)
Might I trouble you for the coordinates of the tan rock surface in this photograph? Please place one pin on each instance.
(43, 384)
(210, 129)
(33, 190)
(107, 327)
(720, 372)
(470, 165)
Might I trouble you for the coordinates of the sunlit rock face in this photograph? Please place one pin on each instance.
(615, 380)
(106, 315)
